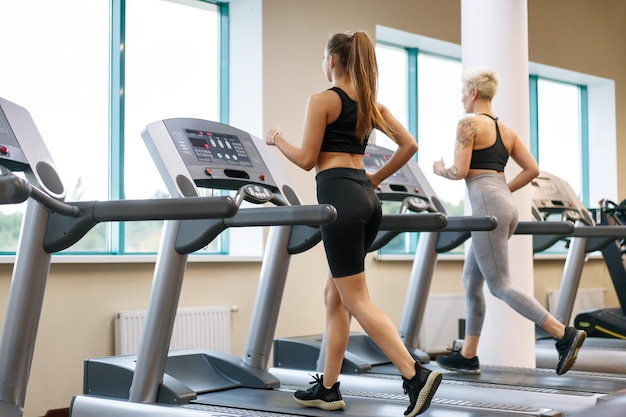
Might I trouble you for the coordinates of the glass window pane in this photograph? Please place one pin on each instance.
(559, 141)
(439, 103)
(56, 66)
(172, 70)
(393, 89)
(393, 92)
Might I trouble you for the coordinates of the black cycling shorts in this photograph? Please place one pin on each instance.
(359, 214)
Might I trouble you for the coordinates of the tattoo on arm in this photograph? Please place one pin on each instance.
(466, 132)
(450, 173)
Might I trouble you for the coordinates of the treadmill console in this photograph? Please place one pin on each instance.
(551, 194)
(11, 154)
(23, 150)
(217, 155)
(401, 184)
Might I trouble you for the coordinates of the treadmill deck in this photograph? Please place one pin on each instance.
(279, 403)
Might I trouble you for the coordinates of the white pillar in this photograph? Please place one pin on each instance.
(494, 33)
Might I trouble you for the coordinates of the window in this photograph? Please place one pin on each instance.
(438, 109)
(559, 135)
(393, 71)
(168, 73)
(92, 84)
(56, 66)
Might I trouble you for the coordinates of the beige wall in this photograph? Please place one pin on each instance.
(580, 35)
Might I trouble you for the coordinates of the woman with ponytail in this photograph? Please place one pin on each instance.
(337, 126)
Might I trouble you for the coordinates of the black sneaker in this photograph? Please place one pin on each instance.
(420, 389)
(568, 347)
(457, 362)
(319, 396)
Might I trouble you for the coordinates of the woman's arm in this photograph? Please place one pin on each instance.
(307, 154)
(465, 136)
(407, 146)
(530, 170)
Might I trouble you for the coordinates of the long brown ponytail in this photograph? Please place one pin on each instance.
(357, 54)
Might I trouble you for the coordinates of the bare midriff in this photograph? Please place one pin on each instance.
(327, 160)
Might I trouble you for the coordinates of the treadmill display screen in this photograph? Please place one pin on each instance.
(6, 134)
(3, 127)
(546, 186)
(218, 148)
(374, 161)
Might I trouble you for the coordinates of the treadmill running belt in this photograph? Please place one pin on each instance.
(279, 403)
(545, 379)
(570, 382)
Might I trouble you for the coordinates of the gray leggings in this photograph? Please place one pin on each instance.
(488, 256)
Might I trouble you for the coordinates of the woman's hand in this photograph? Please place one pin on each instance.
(439, 166)
(373, 180)
(270, 136)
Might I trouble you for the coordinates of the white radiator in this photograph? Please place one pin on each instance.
(586, 299)
(440, 325)
(205, 327)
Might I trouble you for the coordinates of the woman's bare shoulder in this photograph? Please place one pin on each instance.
(325, 96)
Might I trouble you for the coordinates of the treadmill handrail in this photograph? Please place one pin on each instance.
(64, 230)
(196, 234)
(614, 232)
(454, 224)
(414, 222)
(471, 223)
(13, 189)
(460, 228)
(394, 224)
(564, 228)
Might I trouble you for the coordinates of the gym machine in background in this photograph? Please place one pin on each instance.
(610, 322)
(598, 354)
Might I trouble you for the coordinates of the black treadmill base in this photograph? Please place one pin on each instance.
(606, 322)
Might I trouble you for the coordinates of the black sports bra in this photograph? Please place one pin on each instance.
(494, 157)
(339, 135)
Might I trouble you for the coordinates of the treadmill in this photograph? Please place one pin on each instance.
(598, 354)
(187, 383)
(609, 322)
(49, 225)
(509, 385)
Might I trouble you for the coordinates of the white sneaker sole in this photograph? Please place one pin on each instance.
(321, 404)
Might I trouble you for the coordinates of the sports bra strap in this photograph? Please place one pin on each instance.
(495, 119)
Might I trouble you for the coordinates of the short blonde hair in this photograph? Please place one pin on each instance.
(482, 79)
